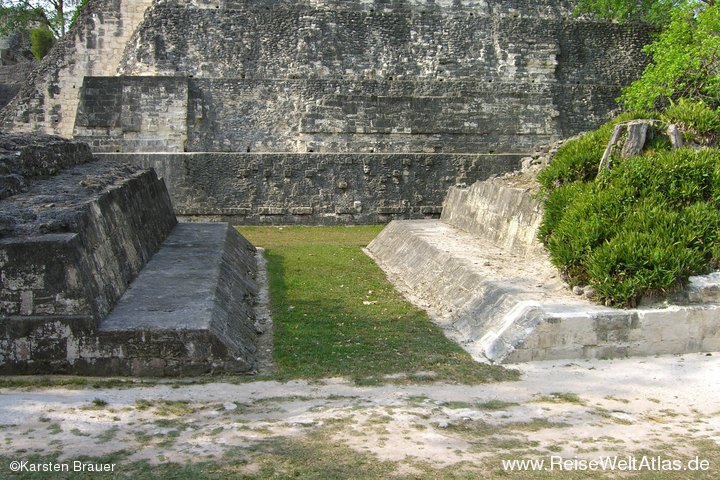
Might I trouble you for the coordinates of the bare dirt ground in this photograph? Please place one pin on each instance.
(585, 408)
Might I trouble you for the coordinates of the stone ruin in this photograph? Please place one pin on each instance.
(99, 278)
(325, 111)
(290, 112)
(484, 276)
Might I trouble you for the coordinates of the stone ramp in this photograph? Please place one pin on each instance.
(503, 301)
(191, 308)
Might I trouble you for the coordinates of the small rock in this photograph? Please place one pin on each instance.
(230, 406)
(676, 139)
(589, 292)
(577, 290)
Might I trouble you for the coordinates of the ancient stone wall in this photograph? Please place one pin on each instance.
(508, 218)
(87, 251)
(315, 188)
(72, 240)
(133, 114)
(371, 77)
(536, 47)
(95, 46)
(326, 77)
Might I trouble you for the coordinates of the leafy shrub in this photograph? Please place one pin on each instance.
(41, 41)
(654, 12)
(641, 228)
(651, 253)
(555, 206)
(698, 121)
(578, 159)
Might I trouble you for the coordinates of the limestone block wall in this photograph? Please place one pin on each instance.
(394, 54)
(95, 46)
(171, 114)
(312, 188)
(352, 40)
(72, 242)
(493, 41)
(367, 116)
(506, 217)
(133, 113)
(85, 287)
(383, 76)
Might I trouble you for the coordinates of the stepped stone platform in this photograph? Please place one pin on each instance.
(191, 308)
(97, 277)
(279, 111)
(483, 276)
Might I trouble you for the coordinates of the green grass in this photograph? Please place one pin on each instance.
(336, 315)
(71, 382)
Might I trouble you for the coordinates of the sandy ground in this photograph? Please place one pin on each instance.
(585, 408)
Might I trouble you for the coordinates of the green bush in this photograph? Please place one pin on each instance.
(684, 61)
(652, 252)
(578, 159)
(555, 206)
(41, 41)
(640, 228)
(699, 122)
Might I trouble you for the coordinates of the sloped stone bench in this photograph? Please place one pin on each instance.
(191, 308)
(97, 277)
(482, 274)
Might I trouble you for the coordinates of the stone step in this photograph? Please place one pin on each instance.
(503, 305)
(191, 308)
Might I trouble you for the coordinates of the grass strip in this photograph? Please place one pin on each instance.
(336, 314)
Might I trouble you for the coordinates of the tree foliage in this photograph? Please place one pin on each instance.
(685, 62)
(655, 12)
(25, 15)
(20, 17)
(41, 41)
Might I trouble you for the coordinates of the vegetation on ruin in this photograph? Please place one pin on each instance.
(56, 16)
(41, 41)
(641, 228)
(336, 315)
(654, 12)
(652, 221)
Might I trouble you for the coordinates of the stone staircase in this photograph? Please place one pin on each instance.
(482, 274)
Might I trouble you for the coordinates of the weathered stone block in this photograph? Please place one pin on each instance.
(507, 306)
(79, 238)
